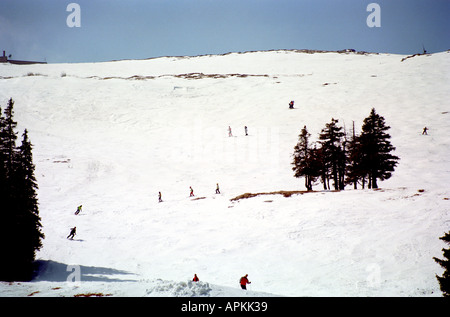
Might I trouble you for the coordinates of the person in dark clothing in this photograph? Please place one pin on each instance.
(217, 189)
(291, 105)
(425, 131)
(73, 232)
(159, 197)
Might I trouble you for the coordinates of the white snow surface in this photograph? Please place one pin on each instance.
(111, 135)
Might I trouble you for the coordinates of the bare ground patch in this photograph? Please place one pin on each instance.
(285, 193)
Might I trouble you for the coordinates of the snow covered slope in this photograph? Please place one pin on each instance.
(110, 136)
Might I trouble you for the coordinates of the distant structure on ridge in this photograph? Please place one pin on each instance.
(4, 59)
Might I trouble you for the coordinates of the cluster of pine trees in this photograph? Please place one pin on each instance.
(20, 232)
(345, 160)
(444, 280)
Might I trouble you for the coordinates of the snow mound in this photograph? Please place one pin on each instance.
(180, 289)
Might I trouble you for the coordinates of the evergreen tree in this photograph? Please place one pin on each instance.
(333, 154)
(355, 170)
(376, 161)
(444, 280)
(25, 193)
(3, 187)
(305, 160)
(9, 137)
(21, 228)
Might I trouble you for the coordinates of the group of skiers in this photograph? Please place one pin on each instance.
(230, 134)
(191, 192)
(73, 231)
(243, 281)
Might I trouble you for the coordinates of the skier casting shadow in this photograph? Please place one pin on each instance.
(73, 232)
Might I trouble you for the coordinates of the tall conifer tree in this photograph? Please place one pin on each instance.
(306, 162)
(332, 151)
(21, 228)
(376, 158)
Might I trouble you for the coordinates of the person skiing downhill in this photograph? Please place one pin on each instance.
(244, 281)
(78, 209)
(246, 132)
(159, 197)
(229, 131)
(217, 189)
(73, 232)
(192, 192)
(291, 105)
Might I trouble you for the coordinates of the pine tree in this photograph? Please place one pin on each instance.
(26, 187)
(444, 280)
(305, 160)
(355, 170)
(21, 228)
(333, 152)
(3, 182)
(376, 161)
(9, 137)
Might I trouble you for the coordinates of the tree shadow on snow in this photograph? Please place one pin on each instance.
(51, 271)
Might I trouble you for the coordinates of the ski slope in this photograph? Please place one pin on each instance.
(111, 135)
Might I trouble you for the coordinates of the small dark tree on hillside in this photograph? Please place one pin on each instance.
(306, 162)
(356, 171)
(444, 280)
(332, 152)
(21, 228)
(376, 160)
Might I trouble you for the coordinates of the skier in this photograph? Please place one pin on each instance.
(195, 279)
(217, 189)
(291, 104)
(78, 209)
(159, 197)
(244, 281)
(425, 131)
(229, 131)
(245, 128)
(73, 232)
(192, 192)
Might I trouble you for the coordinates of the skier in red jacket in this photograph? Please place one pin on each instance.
(195, 279)
(244, 281)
